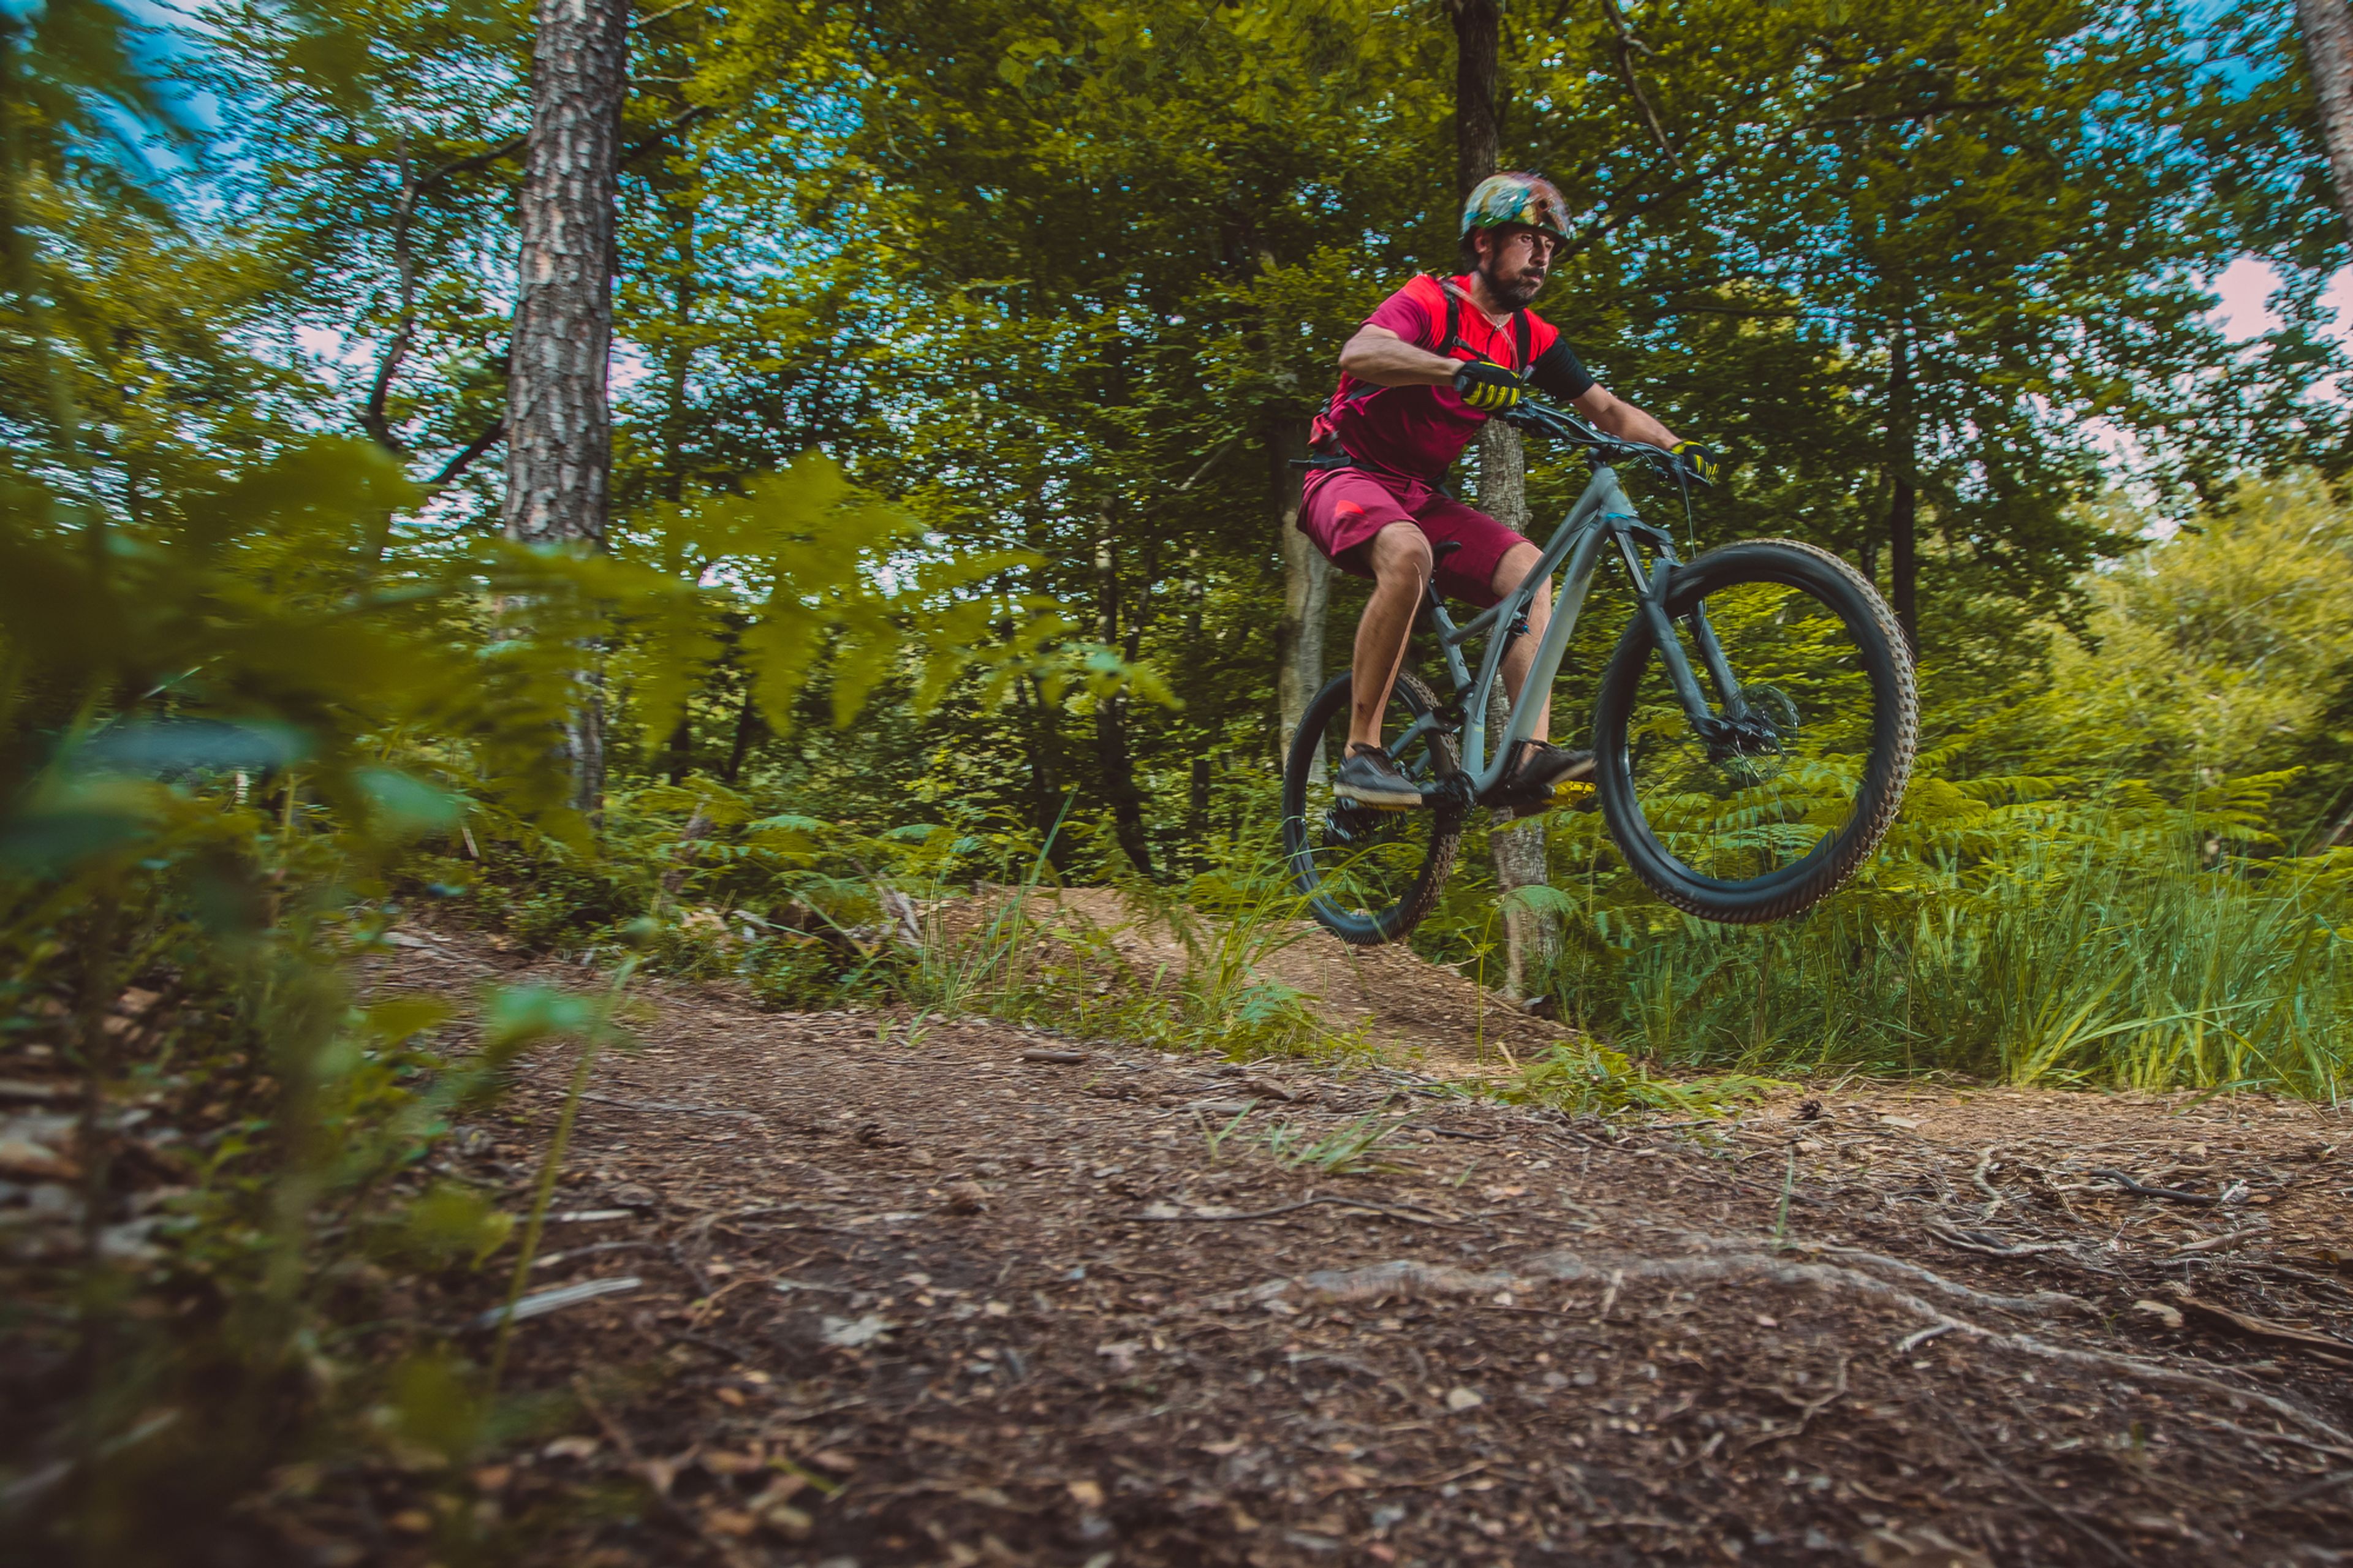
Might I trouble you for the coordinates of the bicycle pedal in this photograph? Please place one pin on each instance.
(1571, 795)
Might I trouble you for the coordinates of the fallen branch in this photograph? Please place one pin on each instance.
(2171, 1195)
(2260, 1328)
(2224, 1241)
(540, 1303)
(1978, 1242)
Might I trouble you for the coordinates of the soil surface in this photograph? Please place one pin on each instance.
(950, 1296)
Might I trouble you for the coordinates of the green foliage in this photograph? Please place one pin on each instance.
(2093, 882)
(227, 720)
(1342, 1152)
(965, 343)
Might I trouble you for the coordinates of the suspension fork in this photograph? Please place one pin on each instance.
(1651, 590)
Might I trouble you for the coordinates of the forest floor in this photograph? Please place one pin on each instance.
(968, 1293)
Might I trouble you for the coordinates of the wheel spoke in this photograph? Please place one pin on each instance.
(1758, 809)
(1736, 812)
(1372, 871)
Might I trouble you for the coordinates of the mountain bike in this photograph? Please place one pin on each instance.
(1745, 802)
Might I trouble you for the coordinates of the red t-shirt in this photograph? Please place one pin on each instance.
(1419, 431)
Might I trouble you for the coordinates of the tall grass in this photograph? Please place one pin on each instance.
(2120, 945)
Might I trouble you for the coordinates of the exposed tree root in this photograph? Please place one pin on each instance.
(1405, 1277)
(1952, 1290)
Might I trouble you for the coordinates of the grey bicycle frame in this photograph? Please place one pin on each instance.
(1602, 517)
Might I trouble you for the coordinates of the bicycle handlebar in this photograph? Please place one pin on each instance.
(1543, 419)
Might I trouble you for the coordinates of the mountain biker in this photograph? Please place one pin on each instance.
(1420, 376)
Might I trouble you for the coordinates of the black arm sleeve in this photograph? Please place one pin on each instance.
(1558, 373)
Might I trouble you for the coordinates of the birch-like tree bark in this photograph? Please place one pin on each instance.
(1306, 582)
(2326, 26)
(1530, 935)
(559, 416)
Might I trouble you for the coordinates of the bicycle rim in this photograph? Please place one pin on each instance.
(1762, 829)
(1370, 876)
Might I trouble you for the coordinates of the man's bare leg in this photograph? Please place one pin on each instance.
(1510, 572)
(1400, 560)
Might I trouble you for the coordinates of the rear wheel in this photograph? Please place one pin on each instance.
(1762, 820)
(1370, 876)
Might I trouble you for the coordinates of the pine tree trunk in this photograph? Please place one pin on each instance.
(559, 421)
(1904, 513)
(1531, 937)
(2327, 29)
(1306, 582)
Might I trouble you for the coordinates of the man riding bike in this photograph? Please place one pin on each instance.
(1420, 376)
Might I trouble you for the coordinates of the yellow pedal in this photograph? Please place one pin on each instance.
(1573, 795)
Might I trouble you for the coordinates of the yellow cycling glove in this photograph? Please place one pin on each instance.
(1489, 388)
(1700, 462)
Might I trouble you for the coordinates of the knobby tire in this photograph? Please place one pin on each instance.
(1397, 922)
(1885, 659)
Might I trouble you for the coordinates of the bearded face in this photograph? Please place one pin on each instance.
(1514, 260)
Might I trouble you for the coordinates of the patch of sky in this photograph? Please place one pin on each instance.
(2236, 45)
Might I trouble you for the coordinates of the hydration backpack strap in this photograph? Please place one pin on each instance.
(1521, 331)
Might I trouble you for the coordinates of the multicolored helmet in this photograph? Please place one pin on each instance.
(1530, 199)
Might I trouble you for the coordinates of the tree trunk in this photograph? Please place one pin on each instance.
(1111, 752)
(1531, 937)
(1903, 512)
(559, 420)
(677, 353)
(747, 718)
(1478, 139)
(1306, 582)
(2327, 29)
(1042, 746)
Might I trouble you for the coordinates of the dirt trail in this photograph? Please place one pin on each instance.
(947, 1303)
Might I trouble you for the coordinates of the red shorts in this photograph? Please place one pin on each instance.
(1343, 507)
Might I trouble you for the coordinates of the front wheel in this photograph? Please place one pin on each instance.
(1369, 875)
(1775, 808)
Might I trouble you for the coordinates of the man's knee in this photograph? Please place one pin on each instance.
(1513, 569)
(1401, 553)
